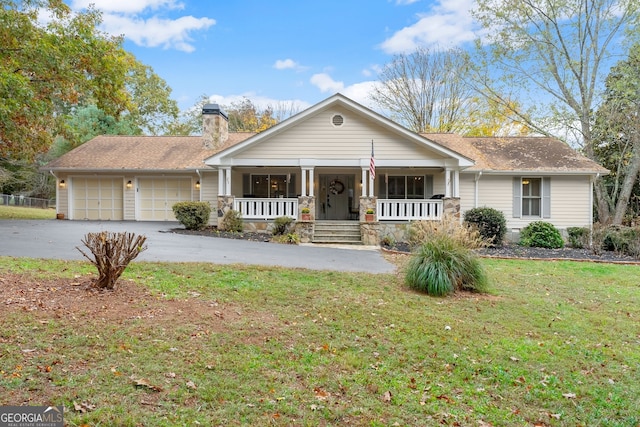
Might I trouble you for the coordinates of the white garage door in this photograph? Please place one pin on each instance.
(97, 198)
(157, 196)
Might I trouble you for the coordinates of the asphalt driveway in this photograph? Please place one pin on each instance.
(54, 239)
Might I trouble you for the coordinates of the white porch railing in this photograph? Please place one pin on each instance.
(266, 208)
(393, 209)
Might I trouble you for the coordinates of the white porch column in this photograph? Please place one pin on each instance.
(447, 183)
(303, 183)
(364, 182)
(227, 181)
(220, 182)
(456, 183)
(311, 182)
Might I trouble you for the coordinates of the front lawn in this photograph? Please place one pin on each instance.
(19, 212)
(553, 344)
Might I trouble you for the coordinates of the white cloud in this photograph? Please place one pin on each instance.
(157, 32)
(286, 64)
(449, 23)
(138, 21)
(325, 83)
(405, 2)
(127, 6)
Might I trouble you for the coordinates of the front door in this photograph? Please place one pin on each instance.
(336, 196)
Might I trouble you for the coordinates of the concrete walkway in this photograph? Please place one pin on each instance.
(55, 239)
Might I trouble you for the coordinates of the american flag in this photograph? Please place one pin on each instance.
(372, 163)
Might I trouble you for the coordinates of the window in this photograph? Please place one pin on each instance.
(532, 197)
(406, 187)
(269, 186)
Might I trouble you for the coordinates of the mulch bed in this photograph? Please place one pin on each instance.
(506, 251)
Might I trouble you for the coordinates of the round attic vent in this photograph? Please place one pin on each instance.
(337, 120)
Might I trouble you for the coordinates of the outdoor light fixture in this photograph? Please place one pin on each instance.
(62, 184)
(129, 184)
(198, 184)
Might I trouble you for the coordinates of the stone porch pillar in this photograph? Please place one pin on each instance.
(451, 207)
(225, 204)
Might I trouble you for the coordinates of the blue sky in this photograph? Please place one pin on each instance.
(279, 51)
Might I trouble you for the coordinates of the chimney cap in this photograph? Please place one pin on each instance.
(214, 109)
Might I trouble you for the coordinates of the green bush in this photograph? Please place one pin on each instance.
(540, 234)
(281, 225)
(232, 221)
(578, 237)
(621, 239)
(193, 215)
(490, 223)
(289, 238)
(442, 266)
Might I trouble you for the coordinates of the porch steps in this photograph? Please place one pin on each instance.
(342, 232)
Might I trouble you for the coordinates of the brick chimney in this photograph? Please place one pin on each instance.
(215, 126)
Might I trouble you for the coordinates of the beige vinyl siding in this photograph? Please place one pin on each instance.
(130, 198)
(467, 192)
(496, 192)
(570, 201)
(318, 138)
(62, 196)
(570, 198)
(209, 193)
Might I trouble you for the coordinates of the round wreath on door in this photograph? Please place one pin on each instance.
(336, 187)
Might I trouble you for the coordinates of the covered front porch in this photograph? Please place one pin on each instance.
(310, 194)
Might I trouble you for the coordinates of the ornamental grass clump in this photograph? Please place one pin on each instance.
(442, 266)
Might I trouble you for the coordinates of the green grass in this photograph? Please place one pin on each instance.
(554, 343)
(18, 212)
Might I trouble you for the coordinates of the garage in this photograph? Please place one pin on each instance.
(156, 196)
(97, 198)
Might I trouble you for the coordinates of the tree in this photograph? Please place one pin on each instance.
(549, 54)
(616, 135)
(425, 90)
(47, 69)
(485, 117)
(150, 108)
(244, 116)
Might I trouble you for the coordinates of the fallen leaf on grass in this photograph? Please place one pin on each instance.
(569, 395)
(83, 407)
(191, 385)
(321, 394)
(146, 384)
(386, 397)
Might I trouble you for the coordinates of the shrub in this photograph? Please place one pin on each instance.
(420, 232)
(490, 223)
(442, 266)
(193, 215)
(289, 238)
(232, 221)
(578, 237)
(281, 225)
(112, 252)
(621, 239)
(540, 234)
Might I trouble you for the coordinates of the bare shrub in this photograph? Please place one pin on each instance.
(466, 235)
(112, 252)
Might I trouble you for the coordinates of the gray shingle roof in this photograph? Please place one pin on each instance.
(534, 154)
(171, 153)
